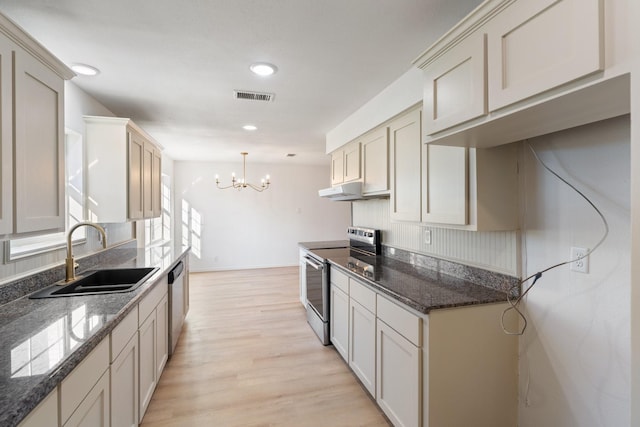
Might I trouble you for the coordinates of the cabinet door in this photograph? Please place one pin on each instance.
(45, 414)
(455, 88)
(362, 345)
(156, 184)
(162, 335)
(147, 180)
(339, 313)
(337, 167)
(124, 386)
(375, 161)
(352, 162)
(398, 373)
(6, 126)
(446, 185)
(536, 45)
(38, 146)
(302, 278)
(406, 167)
(94, 409)
(136, 176)
(147, 364)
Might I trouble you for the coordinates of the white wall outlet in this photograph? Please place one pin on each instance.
(427, 236)
(581, 265)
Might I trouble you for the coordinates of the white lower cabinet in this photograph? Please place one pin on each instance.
(147, 337)
(94, 409)
(362, 345)
(84, 393)
(162, 335)
(44, 413)
(152, 342)
(302, 278)
(124, 372)
(339, 322)
(124, 386)
(113, 385)
(398, 375)
(422, 369)
(398, 363)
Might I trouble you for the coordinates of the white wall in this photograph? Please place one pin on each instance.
(403, 93)
(78, 103)
(575, 354)
(247, 229)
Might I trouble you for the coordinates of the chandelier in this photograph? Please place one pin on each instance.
(239, 184)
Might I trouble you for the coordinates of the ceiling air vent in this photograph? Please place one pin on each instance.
(253, 96)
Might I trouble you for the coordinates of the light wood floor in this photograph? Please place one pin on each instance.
(248, 358)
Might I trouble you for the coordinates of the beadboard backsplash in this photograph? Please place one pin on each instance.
(496, 250)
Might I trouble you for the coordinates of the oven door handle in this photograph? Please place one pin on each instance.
(313, 263)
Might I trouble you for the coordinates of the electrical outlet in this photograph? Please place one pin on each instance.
(427, 236)
(581, 265)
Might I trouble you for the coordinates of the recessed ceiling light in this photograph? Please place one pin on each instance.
(249, 127)
(85, 70)
(263, 69)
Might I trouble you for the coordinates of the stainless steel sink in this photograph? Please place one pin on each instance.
(106, 281)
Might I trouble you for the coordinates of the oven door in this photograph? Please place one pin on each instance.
(315, 274)
(317, 282)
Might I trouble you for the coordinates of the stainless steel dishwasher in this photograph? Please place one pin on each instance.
(176, 305)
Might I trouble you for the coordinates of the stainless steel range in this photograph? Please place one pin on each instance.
(365, 241)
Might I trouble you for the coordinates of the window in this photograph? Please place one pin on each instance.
(74, 174)
(158, 230)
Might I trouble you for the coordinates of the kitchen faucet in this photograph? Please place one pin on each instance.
(70, 263)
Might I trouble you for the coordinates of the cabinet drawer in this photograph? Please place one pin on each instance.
(149, 303)
(365, 296)
(339, 280)
(81, 380)
(122, 333)
(402, 321)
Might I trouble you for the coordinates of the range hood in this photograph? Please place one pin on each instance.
(343, 192)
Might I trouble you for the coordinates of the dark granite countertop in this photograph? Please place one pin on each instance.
(328, 244)
(43, 340)
(418, 287)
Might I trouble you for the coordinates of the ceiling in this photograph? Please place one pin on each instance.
(172, 66)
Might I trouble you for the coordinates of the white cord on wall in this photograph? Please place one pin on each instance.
(513, 304)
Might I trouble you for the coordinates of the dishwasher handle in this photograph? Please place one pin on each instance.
(176, 272)
(313, 263)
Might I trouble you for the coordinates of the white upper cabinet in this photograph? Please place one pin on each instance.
(6, 145)
(474, 189)
(352, 162)
(537, 45)
(455, 89)
(337, 167)
(345, 164)
(516, 69)
(406, 167)
(32, 135)
(124, 174)
(446, 195)
(375, 162)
